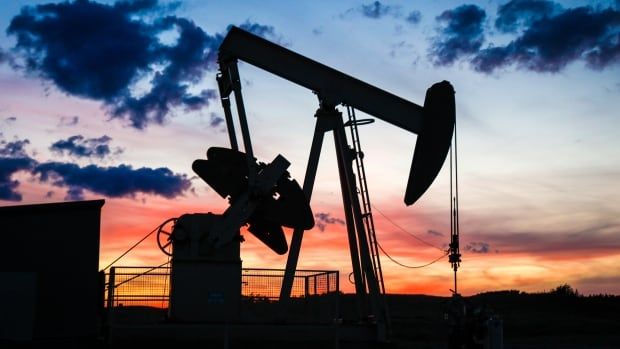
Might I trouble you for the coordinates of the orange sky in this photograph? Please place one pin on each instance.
(124, 223)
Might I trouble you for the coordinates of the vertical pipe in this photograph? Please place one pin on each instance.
(456, 290)
(456, 198)
(230, 126)
(222, 86)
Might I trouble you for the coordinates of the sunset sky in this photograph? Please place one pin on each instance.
(115, 100)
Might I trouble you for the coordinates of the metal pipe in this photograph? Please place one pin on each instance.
(243, 122)
(295, 246)
(225, 99)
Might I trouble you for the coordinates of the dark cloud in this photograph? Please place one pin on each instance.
(10, 119)
(13, 158)
(548, 37)
(461, 34)
(187, 61)
(88, 49)
(477, 247)
(8, 167)
(74, 194)
(81, 147)
(118, 181)
(522, 13)
(99, 51)
(434, 233)
(324, 218)
(15, 149)
(414, 17)
(550, 42)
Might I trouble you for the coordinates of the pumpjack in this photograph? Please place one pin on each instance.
(264, 197)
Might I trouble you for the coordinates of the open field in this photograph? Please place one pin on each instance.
(530, 321)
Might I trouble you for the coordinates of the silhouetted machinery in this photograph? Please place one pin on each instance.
(206, 266)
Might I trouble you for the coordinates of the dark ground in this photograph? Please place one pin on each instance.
(530, 321)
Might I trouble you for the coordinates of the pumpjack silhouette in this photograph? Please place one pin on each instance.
(205, 246)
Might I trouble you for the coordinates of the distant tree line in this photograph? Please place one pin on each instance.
(564, 290)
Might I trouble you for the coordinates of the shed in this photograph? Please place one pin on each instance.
(49, 267)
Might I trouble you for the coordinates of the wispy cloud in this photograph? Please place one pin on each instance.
(379, 10)
(215, 120)
(434, 233)
(414, 17)
(66, 121)
(323, 219)
(596, 239)
(478, 247)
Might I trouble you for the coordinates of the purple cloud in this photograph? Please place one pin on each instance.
(69, 120)
(81, 147)
(477, 247)
(434, 233)
(323, 219)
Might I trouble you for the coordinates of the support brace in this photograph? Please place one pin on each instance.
(330, 119)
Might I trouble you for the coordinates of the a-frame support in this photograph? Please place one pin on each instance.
(369, 299)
